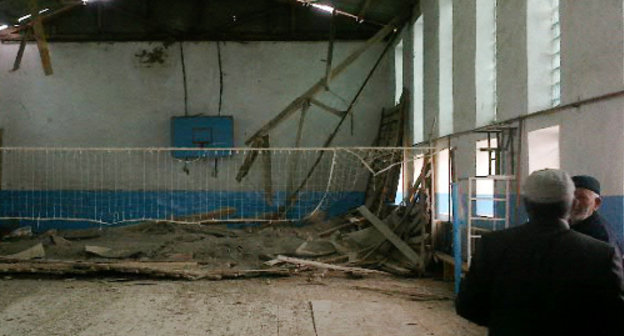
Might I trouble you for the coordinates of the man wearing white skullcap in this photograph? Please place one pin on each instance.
(542, 278)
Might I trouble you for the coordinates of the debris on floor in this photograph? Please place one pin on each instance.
(394, 239)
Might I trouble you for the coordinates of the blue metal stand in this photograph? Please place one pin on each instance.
(457, 251)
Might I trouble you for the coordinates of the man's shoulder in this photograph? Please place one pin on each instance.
(586, 245)
(510, 234)
(577, 240)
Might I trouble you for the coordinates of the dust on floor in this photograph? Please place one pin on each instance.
(212, 246)
(314, 306)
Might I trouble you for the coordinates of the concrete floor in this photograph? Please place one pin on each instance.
(278, 306)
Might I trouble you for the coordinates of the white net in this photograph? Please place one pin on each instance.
(120, 185)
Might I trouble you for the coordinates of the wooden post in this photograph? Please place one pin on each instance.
(266, 171)
(295, 160)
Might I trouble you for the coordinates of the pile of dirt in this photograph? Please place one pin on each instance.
(214, 246)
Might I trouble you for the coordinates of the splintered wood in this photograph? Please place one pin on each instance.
(398, 242)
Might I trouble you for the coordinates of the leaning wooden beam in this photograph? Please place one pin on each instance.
(20, 53)
(249, 160)
(304, 262)
(42, 44)
(389, 234)
(316, 88)
(266, 171)
(327, 108)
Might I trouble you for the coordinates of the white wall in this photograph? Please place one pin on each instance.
(100, 96)
(592, 48)
(431, 67)
(511, 78)
(592, 64)
(464, 47)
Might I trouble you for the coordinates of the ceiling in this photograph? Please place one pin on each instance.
(233, 20)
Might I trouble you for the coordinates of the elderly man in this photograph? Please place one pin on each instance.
(585, 217)
(542, 278)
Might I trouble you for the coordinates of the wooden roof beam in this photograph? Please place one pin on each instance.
(316, 88)
(11, 32)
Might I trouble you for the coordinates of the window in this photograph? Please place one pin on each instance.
(485, 62)
(398, 71)
(417, 164)
(485, 165)
(556, 55)
(543, 54)
(544, 148)
(442, 185)
(445, 102)
(418, 81)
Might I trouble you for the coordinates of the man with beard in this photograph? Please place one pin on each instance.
(585, 217)
(541, 278)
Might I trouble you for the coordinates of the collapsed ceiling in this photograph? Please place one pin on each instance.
(234, 20)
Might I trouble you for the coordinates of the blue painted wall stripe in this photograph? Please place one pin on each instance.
(117, 206)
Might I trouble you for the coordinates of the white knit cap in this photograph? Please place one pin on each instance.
(549, 186)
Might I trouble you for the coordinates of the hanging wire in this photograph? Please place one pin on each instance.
(184, 80)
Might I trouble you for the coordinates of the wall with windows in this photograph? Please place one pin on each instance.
(546, 54)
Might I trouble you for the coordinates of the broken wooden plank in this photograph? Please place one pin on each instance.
(39, 34)
(391, 236)
(318, 86)
(327, 108)
(317, 264)
(208, 216)
(36, 251)
(448, 259)
(168, 270)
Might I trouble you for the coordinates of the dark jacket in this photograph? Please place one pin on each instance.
(542, 278)
(598, 227)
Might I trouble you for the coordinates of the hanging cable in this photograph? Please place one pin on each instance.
(184, 80)
(220, 77)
